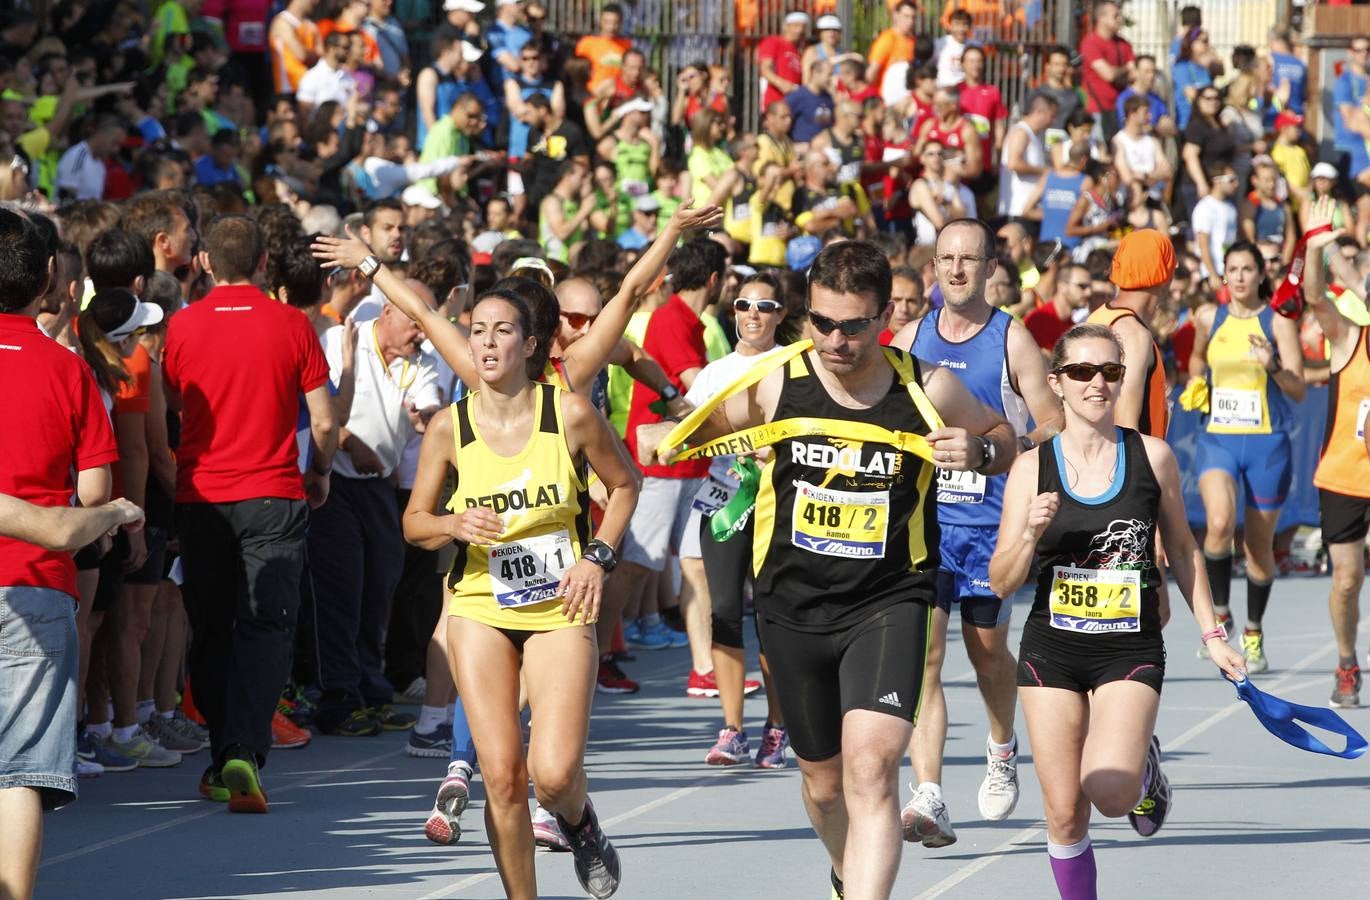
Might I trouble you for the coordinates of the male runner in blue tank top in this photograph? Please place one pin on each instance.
(998, 360)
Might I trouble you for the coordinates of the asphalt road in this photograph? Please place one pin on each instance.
(1252, 817)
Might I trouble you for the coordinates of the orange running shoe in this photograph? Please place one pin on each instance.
(286, 735)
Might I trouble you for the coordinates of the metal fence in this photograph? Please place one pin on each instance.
(1015, 33)
(674, 33)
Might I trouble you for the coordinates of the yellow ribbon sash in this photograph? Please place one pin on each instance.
(770, 433)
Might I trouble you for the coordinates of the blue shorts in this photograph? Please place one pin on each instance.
(964, 576)
(1357, 160)
(1259, 464)
(39, 655)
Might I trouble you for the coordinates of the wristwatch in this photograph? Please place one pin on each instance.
(369, 266)
(1025, 443)
(601, 554)
(987, 452)
(669, 392)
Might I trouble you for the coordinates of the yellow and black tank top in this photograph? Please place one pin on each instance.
(1243, 396)
(844, 528)
(541, 496)
(1345, 466)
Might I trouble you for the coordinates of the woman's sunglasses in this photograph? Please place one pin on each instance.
(1086, 371)
(742, 304)
(577, 320)
(848, 327)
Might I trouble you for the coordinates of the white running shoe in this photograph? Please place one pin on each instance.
(926, 821)
(148, 753)
(999, 791)
(88, 768)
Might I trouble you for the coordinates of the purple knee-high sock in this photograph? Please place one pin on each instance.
(1074, 870)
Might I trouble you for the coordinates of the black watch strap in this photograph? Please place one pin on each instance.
(601, 554)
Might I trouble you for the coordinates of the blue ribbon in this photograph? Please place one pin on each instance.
(1280, 718)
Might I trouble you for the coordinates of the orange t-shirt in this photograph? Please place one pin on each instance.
(134, 396)
(605, 55)
(373, 50)
(889, 47)
(288, 68)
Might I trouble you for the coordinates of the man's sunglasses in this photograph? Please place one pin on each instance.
(1086, 371)
(848, 327)
(577, 320)
(742, 304)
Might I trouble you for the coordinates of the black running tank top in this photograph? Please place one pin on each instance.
(844, 528)
(1097, 571)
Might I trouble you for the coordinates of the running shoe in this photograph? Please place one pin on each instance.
(148, 753)
(392, 719)
(444, 825)
(94, 749)
(244, 784)
(597, 864)
(358, 723)
(162, 731)
(771, 754)
(999, 791)
(926, 821)
(547, 832)
(286, 735)
(674, 639)
(414, 694)
(706, 685)
(436, 744)
(730, 749)
(640, 638)
(297, 706)
(187, 728)
(612, 679)
(88, 768)
(1253, 648)
(1346, 692)
(212, 786)
(1150, 814)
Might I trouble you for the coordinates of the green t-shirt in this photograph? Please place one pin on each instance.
(668, 207)
(716, 344)
(170, 19)
(620, 389)
(443, 140)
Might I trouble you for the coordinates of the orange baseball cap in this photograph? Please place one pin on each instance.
(1144, 259)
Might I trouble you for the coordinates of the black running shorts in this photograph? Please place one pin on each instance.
(1345, 519)
(1046, 660)
(876, 664)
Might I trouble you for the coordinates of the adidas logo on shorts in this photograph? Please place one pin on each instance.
(890, 699)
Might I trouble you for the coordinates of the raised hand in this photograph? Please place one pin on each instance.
(346, 252)
(687, 218)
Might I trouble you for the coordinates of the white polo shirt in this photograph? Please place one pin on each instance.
(379, 416)
(81, 173)
(323, 83)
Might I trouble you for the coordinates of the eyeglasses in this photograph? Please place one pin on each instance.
(1086, 371)
(949, 261)
(742, 304)
(578, 320)
(848, 327)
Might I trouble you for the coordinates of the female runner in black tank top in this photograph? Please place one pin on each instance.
(1085, 508)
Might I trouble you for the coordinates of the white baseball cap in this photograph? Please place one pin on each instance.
(829, 23)
(1325, 170)
(470, 52)
(418, 196)
(797, 18)
(471, 6)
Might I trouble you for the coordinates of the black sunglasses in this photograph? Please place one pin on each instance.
(577, 320)
(1086, 371)
(848, 327)
(742, 304)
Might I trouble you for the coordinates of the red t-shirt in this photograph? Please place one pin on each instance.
(675, 339)
(1182, 344)
(1101, 94)
(1045, 327)
(240, 361)
(922, 112)
(133, 397)
(54, 427)
(788, 66)
(984, 106)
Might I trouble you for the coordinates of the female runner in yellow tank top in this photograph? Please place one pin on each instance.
(527, 582)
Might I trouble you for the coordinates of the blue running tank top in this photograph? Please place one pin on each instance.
(981, 362)
(1058, 199)
(518, 129)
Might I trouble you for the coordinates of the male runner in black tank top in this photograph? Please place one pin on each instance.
(845, 606)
